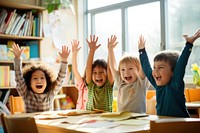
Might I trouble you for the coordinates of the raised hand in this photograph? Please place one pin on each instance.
(141, 42)
(17, 51)
(112, 42)
(75, 46)
(191, 39)
(92, 43)
(64, 53)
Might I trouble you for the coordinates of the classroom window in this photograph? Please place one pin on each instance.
(147, 23)
(162, 22)
(183, 18)
(92, 4)
(107, 24)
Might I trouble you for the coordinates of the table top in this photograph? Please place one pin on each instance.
(193, 104)
(86, 121)
(92, 122)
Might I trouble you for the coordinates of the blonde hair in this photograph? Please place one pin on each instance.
(127, 59)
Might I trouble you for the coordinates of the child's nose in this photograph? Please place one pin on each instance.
(38, 80)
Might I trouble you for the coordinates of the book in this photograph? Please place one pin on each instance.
(3, 16)
(8, 20)
(19, 25)
(3, 52)
(4, 76)
(34, 49)
(26, 53)
(40, 25)
(15, 23)
(10, 55)
(12, 79)
(8, 29)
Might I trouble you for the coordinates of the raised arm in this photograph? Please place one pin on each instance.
(92, 44)
(75, 49)
(146, 67)
(109, 73)
(191, 39)
(141, 45)
(64, 54)
(112, 61)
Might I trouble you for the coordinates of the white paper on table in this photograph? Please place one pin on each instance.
(99, 124)
(134, 122)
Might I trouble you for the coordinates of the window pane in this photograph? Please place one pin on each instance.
(100, 3)
(107, 24)
(184, 18)
(147, 23)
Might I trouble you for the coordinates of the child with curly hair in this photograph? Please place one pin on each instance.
(36, 83)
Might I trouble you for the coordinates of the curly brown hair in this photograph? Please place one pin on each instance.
(29, 69)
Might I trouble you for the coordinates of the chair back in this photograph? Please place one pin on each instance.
(150, 94)
(193, 94)
(14, 124)
(175, 125)
(16, 104)
(151, 102)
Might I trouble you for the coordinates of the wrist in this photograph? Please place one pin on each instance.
(65, 62)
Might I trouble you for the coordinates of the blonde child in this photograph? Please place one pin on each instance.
(99, 80)
(80, 81)
(36, 83)
(129, 80)
(167, 77)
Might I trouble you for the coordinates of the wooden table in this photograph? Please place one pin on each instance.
(194, 105)
(53, 122)
(70, 123)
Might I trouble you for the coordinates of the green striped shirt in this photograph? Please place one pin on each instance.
(100, 97)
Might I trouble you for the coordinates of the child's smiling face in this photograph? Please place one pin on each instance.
(99, 76)
(38, 81)
(128, 72)
(162, 72)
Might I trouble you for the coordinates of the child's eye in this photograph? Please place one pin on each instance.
(94, 72)
(42, 77)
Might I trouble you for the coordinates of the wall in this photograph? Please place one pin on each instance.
(47, 47)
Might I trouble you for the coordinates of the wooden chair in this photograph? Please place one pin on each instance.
(175, 125)
(193, 94)
(151, 102)
(16, 104)
(14, 124)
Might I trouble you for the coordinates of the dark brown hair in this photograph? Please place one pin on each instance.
(169, 56)
(29, 69)
(100, 63)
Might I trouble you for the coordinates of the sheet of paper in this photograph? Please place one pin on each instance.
(116, 116)
(48, 116)
(99, 124)
(133, 122)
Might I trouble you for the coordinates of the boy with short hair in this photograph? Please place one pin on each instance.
(167, 77)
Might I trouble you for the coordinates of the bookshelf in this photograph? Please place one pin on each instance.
(69, 90)
(19, 36)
